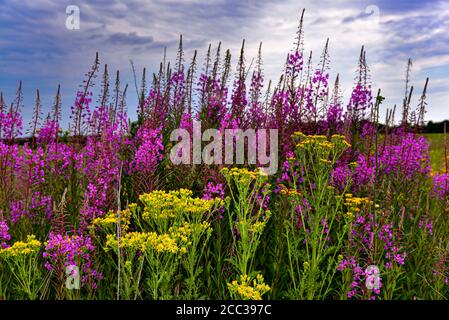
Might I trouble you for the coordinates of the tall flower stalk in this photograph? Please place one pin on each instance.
(247, 216)
(313, 230)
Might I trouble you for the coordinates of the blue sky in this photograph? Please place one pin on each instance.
(36, 47)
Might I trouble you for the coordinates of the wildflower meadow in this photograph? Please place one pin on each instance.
(102, 206)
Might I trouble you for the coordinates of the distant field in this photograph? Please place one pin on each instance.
(436, 150)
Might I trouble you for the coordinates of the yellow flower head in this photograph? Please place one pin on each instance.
(248, 289)
(144, 241)
(355, 204)
(244, 175)
(19, 248)
(166, 205)
(110, 220)
(320, 143)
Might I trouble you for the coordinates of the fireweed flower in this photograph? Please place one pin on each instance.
(360, 101)
(11, 124)
(76, 250)
(214, 110)
(315, 92)
(4, 235)
(48, 133)
(149, 152)
(407, 157)
(364, 232)
(38, 204)
(291, 170)
(256, 117)
(295, 63)
(441, 185)
(213, 191)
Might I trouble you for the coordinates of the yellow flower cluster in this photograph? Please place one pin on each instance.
(132, 241)
(144, 241)
(321, 141)
(244, 289)
(258, 226)
(184, 232)
(340, 140)
(19, 248)
(306, 265)
(354, 204)
(111, 219)
(288, 192)
(165, 205)
(243, 174)
(315, 142)
(165, 243)
(299, 134)
(353, 164)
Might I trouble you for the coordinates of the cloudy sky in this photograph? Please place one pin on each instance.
(36, 46)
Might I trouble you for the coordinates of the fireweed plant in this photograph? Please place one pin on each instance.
(99, 196)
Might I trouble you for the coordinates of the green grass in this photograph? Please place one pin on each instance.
(436, 150)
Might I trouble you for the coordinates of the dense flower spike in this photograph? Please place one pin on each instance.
(63, 251)
(149, 152)
(441, 185)
(4, 235)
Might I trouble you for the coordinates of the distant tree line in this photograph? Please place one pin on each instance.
(436, 127)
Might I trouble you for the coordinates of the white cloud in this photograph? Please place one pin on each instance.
(143, 28)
